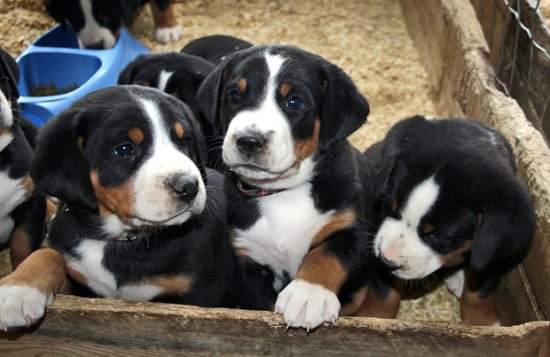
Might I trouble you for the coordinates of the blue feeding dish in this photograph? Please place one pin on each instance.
(55, 71)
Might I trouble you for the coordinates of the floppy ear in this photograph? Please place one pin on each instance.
(10, 70)
(126, 76)
(200, 141)
(504, 233)
(344, 108)
(209, 97)
(59, 168)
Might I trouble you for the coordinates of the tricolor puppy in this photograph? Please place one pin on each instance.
(22, 210)
(297, 190)
(97, 22)
(140, 216)
(450, 204)
(175, 73)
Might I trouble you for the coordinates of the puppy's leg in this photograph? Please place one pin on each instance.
(477, 307)
(25, 293)
(382, 300)
(166, 25)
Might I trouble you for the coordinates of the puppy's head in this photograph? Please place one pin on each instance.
(9, 93)
(175, 73)
(451, 194)
(279, 106)
(129, 153)
(96, 22)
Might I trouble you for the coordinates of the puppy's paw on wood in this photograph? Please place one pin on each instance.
(21, 306)
(307, 305)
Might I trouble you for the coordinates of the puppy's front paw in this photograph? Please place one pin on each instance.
(168, 34)
(21, 306)
(307, 305)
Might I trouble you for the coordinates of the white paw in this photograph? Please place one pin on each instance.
(21, 306)
(455, 283)
(168, 34)
(307, 305)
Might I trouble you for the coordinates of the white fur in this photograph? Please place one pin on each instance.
(307, 305)
(282, 235)
(103, 281)
(92, 32)
(163, 79)
(12, 194)
(21, 305)
(168, 34)
(6, 121)
(455, 283)
(398, 240)
(276, 164)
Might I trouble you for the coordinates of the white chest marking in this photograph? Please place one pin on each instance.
(282, 236)
(12, 194)
(101, 280)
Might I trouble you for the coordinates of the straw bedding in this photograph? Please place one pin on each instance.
(368, 39)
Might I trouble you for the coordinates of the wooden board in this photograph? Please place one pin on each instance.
(83, 327)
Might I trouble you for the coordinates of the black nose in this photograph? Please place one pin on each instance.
(250, 144)
(95, 46)
(388, 264)
(185, 187)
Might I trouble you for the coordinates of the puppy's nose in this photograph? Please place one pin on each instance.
(99, 45)
(388, 264)
(250, 144)
(185, 187)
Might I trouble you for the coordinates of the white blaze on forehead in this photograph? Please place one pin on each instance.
(421, 199)
(155, 200)
(163, 79)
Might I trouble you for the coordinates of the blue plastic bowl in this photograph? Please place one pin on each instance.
(55, 61)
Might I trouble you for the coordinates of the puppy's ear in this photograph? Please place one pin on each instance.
(199, 140)
(506, 228)
(127, 75)
(10, 70)
(210, 97)
(59, 168)
(56, 9)
(344, 108)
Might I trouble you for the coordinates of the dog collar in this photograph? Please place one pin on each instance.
(127, 237)
(253, 191)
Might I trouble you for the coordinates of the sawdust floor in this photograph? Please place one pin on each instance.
(368, 39)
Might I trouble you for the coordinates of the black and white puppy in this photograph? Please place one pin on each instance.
(450, 203)
(97, 22)
(140, 216)
(297, 191)
(22, 210)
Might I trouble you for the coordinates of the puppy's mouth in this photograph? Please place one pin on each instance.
(259, 175)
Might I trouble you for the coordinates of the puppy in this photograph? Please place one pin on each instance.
(140, 216)
(450, 204)
(97, 22)
(22, 209)
(297, 192)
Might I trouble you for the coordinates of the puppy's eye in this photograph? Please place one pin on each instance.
(235, 95)
(293, 102)
(428, 229)
(124, 150)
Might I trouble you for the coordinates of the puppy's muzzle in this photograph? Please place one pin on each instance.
(251, 144)
(185, 187)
